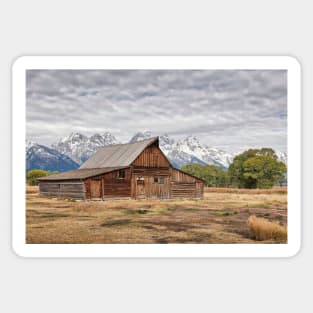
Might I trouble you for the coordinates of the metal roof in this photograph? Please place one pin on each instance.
(117, 155)
(80, 173)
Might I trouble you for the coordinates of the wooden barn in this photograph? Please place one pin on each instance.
(137, 170)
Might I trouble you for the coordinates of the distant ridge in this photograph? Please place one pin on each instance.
(42, 157)
(78, 148)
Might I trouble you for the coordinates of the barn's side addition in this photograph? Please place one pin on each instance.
(137, 170)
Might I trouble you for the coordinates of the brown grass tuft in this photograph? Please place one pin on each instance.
(262, 229)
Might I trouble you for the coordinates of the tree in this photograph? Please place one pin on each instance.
(212, 175)
(33, 175)
(236, 171)
(256, 168)
(263, 171)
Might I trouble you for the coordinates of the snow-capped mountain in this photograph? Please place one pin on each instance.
(281, 156)
(207, 155)
(29, 145)
(188, 150)
(141, 136)
(181, 158)
(166, 143)
(42, 157)
(80, 147)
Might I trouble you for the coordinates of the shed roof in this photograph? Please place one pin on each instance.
(80, 173)
(117, 155)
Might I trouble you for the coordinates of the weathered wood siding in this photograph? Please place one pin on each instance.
(150, 171)
(150, 164)
(144, 187)
(183, 190)
(151, 157)
(185, 186)
(109, 185)
(95, 188)
(199, 189)
(63, 189)
(178, 176)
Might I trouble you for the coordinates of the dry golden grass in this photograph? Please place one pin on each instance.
(221, 217)
(31, 189)
(262, 229)
(278, 190)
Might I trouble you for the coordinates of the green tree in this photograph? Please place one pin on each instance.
(263, 171)
(212, 175)
(33, 175)
(256, 168)
(236, 171)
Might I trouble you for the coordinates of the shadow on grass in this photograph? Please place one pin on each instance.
(118, 222)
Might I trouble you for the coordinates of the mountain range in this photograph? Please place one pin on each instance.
(73, 150)
(80, 147)
(188, 150)
(45, 158)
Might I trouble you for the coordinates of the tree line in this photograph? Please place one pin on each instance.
(254, 168)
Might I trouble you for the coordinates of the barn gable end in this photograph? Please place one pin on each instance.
(151, 156)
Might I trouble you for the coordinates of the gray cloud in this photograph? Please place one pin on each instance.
(230, 109)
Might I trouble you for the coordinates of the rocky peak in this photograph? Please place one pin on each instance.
(141, 136)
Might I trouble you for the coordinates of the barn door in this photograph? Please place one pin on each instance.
(95, 189)
(140, 188)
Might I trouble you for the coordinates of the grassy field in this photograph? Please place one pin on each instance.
(221, 217)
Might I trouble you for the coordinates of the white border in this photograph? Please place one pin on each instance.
(156, 250)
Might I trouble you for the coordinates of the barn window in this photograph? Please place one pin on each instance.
(161, 181)
(121, 174)
(155, 180)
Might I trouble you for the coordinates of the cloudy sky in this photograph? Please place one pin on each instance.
(229, 109)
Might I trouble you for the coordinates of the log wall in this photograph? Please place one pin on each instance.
(183, 190)
(63, 189)
(185, 186)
